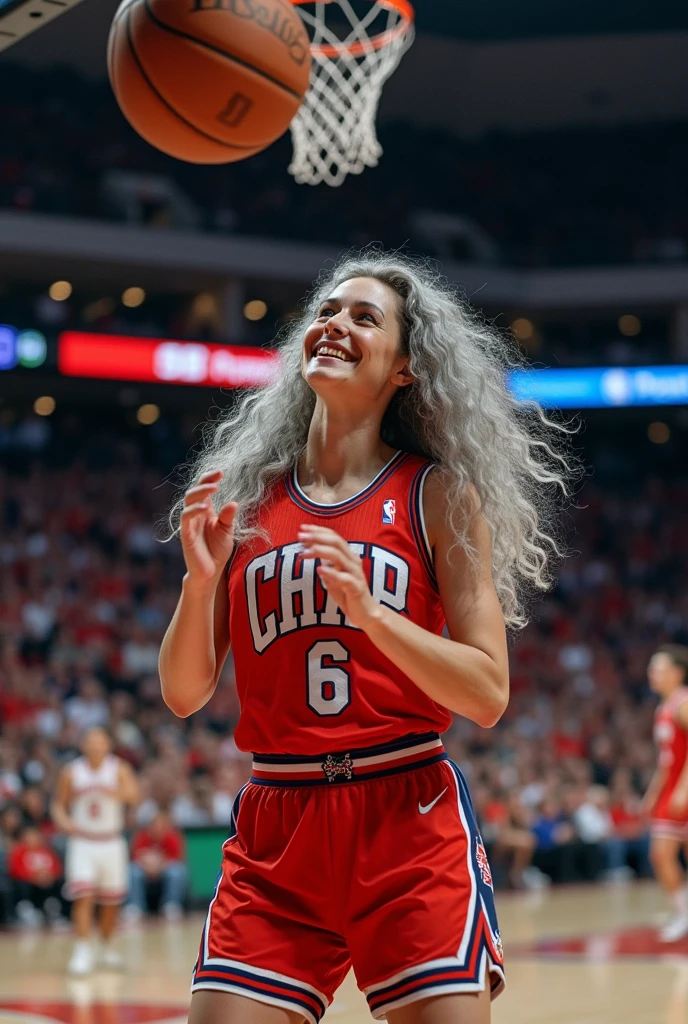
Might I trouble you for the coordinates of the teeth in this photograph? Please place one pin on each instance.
(325, 350)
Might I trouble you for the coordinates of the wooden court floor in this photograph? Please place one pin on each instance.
(574, 956)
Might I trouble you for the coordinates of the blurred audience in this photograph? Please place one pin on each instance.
(571, 197)
(629, 843)
(157, 869)
(35, 873)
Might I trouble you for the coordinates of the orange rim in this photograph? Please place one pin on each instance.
(377, 42)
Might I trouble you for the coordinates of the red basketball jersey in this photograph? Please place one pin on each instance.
(308, 680)
(671, 738)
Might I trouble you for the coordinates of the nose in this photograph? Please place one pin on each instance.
(335, 328)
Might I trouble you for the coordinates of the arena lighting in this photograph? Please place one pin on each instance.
(255, 309)
(659, 433)
(522, 329)
(60, 290)
(44, 406)
(630, 325)
(599, 388)
(133, 297)
(23, 348)
(114, 357)
(148, 414)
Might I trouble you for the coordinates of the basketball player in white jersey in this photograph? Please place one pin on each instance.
(89, 805)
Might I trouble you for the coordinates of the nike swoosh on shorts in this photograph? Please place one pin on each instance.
(429, 807)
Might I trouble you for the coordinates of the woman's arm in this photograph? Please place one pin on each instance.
(129, 791)
(59, 808)
(653, 790)
(468, 673)
(195, 645)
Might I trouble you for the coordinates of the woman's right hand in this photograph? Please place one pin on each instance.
(207, 537)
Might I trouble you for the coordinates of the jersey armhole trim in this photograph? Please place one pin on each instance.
(228, 568)
(417, 520)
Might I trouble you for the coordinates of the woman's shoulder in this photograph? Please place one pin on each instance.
(436, 498)
(438, 484)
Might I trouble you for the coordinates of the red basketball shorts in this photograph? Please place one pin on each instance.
(667, 823)
(371, 858)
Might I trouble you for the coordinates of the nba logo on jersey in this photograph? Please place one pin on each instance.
(389, 511)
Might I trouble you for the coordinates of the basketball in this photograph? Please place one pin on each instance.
(209, 81)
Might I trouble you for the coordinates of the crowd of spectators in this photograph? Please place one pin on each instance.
(87, 589)
(581, 196)
(170, 315)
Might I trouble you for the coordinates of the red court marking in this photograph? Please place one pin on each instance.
(639, 942)
(95, 1013)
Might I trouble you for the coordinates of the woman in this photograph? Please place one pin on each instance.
(384, 486)
(666, 799)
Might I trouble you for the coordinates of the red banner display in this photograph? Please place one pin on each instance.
(114, 357)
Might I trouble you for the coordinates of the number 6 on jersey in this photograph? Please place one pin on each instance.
(329, 687)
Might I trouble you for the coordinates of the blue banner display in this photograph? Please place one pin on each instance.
(611, 388)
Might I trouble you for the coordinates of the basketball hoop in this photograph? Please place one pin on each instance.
(334, 130)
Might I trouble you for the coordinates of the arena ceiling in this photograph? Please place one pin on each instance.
(479, 65)
(79, 36)
(487, 20)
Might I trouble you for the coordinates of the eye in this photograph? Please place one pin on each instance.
(368, 316)
(327, 311)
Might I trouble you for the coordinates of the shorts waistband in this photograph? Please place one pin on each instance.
(96, 837)
(354, 765)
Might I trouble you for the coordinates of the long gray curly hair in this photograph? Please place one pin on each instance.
(458, 412)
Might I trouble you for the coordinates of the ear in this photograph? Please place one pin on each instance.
(403, 376)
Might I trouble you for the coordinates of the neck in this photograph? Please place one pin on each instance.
(343, 444)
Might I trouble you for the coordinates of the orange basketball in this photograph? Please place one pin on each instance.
(209, 81)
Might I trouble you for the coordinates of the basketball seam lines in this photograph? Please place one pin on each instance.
(215, 49)
(249, 150)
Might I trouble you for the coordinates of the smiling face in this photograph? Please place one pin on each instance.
(355, 341)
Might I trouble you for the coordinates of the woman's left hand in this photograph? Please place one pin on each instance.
(341, 573)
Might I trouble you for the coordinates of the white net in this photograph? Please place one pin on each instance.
(352, 57)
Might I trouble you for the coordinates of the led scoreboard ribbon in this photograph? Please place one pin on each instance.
(115, 357)
(163, 361)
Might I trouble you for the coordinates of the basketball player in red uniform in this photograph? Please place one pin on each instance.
(666, 800)
(381, 488)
